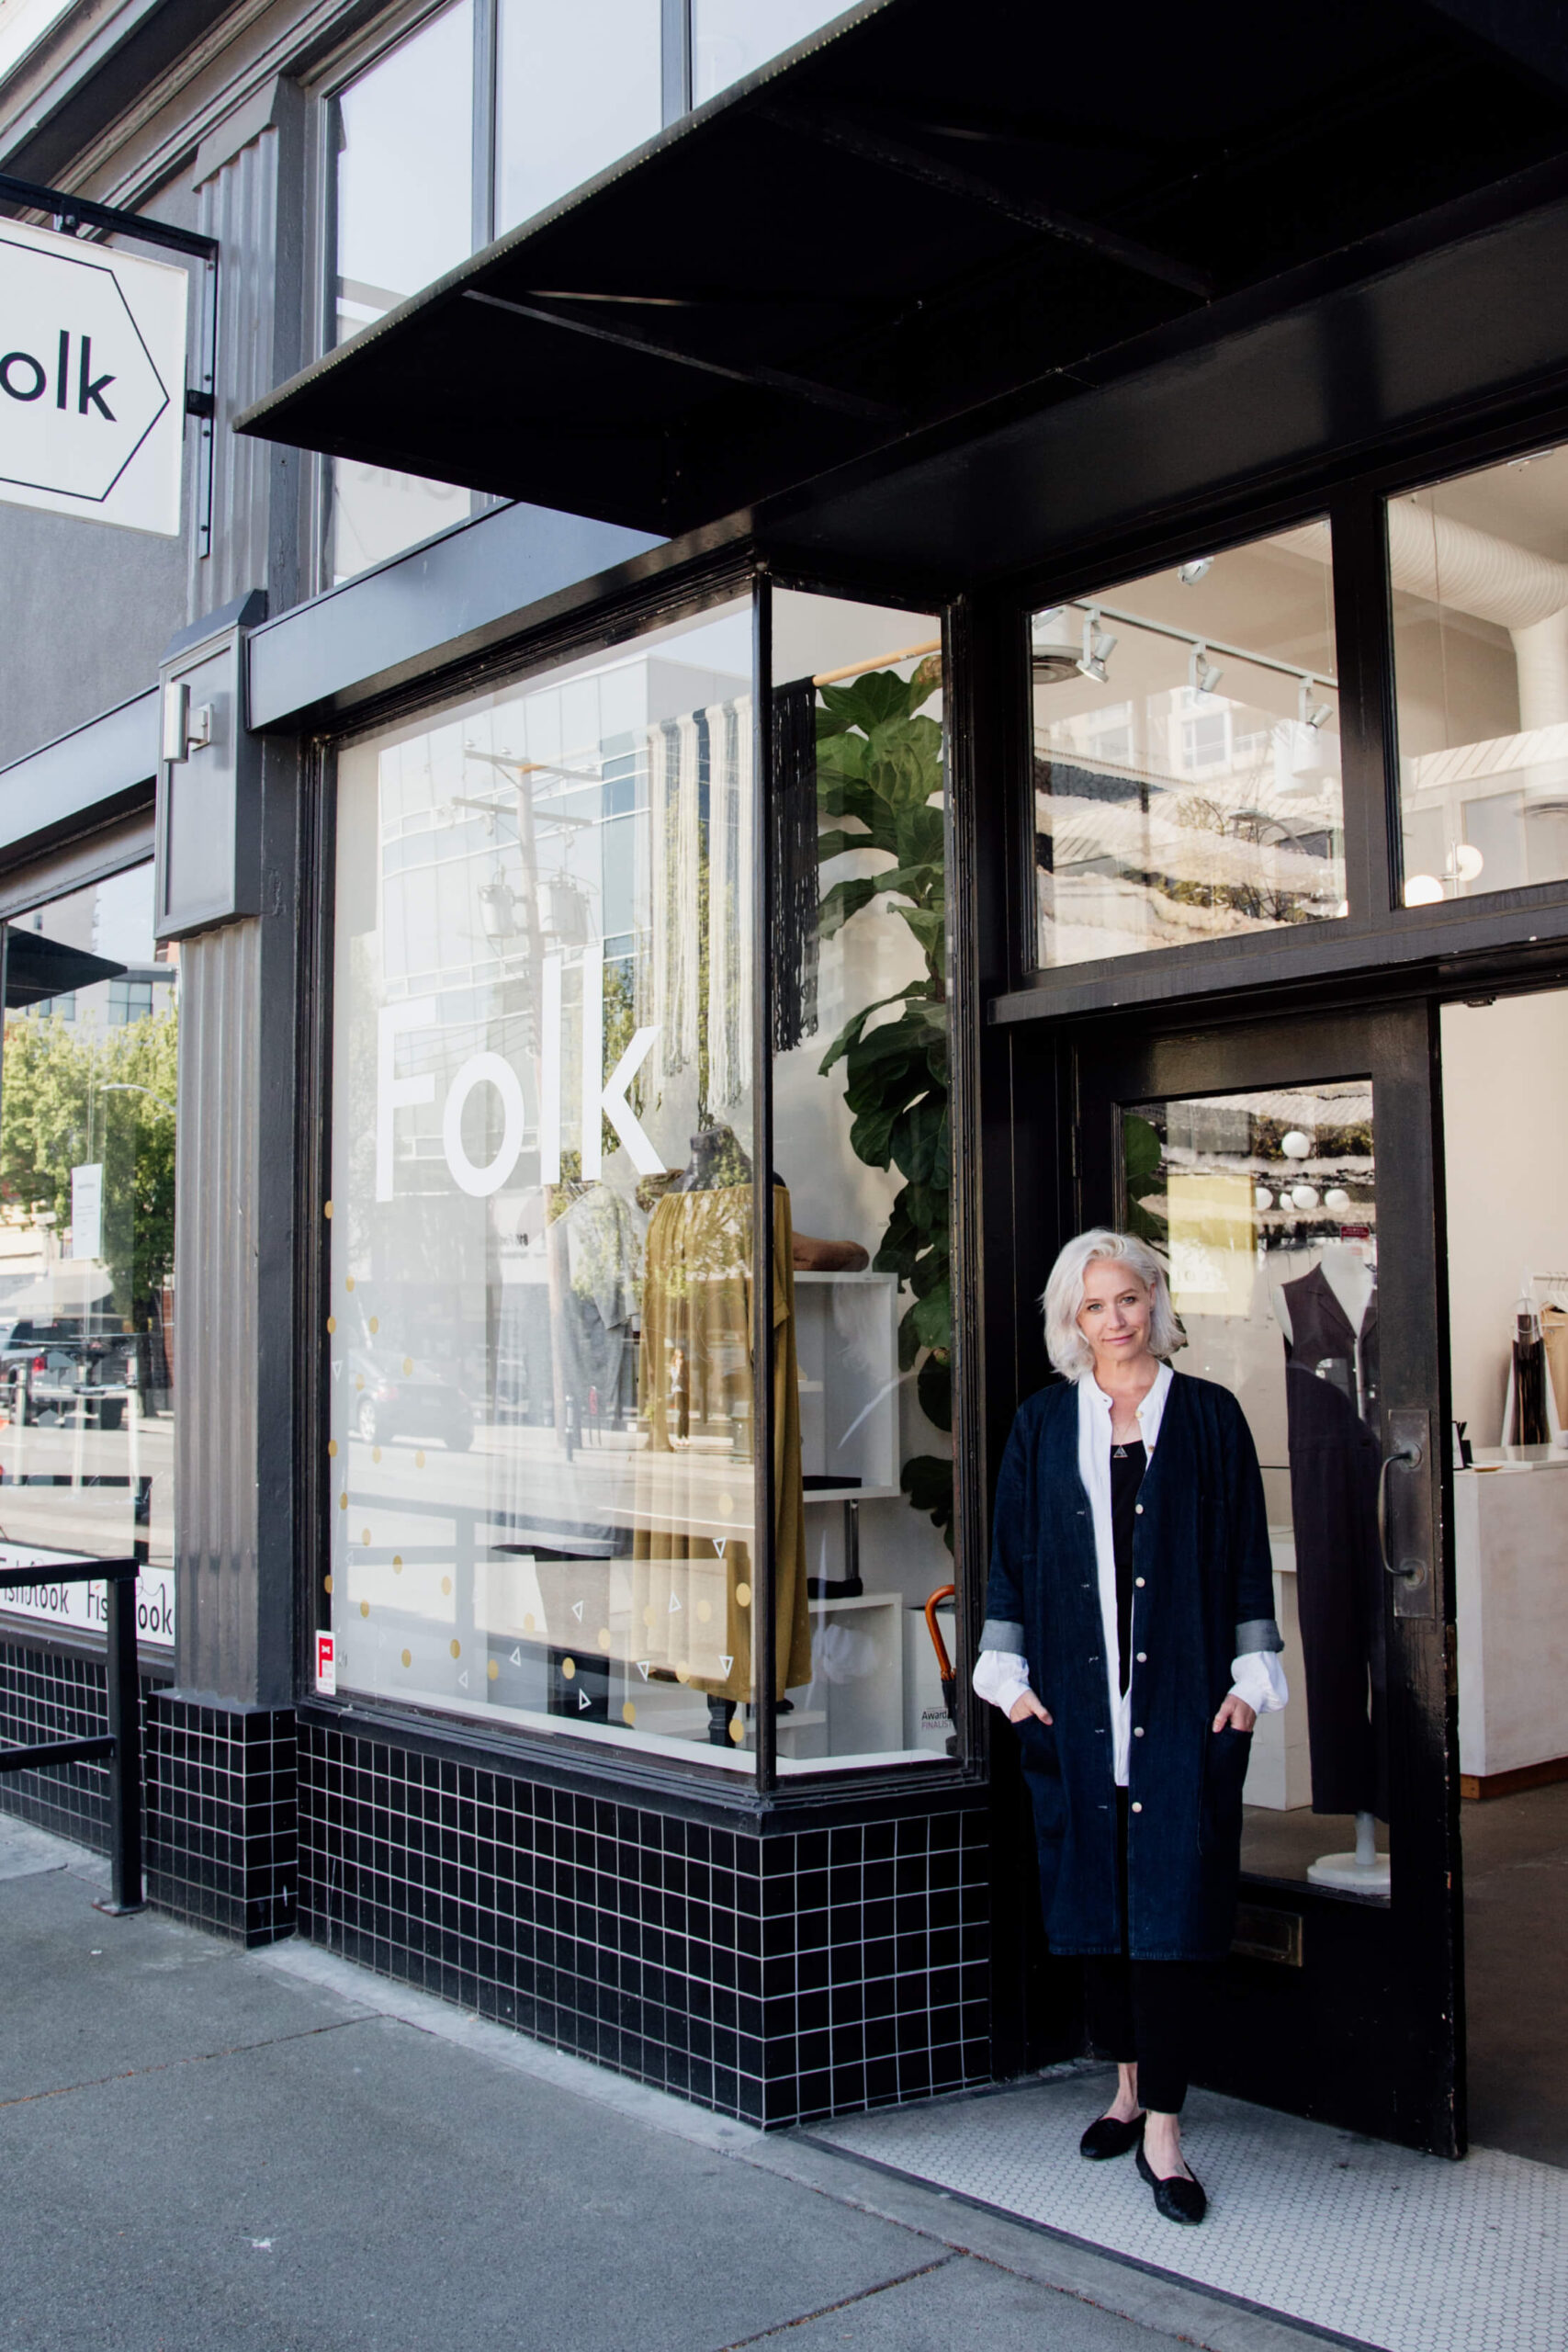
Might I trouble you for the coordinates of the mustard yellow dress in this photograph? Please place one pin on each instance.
(692, 1591)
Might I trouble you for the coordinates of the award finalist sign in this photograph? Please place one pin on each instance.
(92, 380)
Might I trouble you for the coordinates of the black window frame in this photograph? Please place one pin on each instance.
(739, 570)
(1380, 935)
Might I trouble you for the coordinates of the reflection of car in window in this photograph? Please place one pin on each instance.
(53, 1372)
(399, 1396)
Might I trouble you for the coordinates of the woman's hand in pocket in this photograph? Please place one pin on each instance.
(1026, 1703)
(1234, 1715)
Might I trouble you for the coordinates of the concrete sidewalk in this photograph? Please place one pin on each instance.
(204, 2150)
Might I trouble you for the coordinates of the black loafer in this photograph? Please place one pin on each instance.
(1179, 2200)
(1107, 2137)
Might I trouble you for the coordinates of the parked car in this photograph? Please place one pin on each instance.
(406, 1396)
(53, 1369)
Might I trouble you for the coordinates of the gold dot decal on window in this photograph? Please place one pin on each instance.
(704, 1611)
(365, 1535)
(348, 1281)
(603, 1637)
(408, 1658)
(342, 1502)
(446, 1584)
(365, 1609)
(737, 1730)
(647, 1616)
(568, 1667)
(397, 1563)
(727, 1506)
(331, 1449)
(419, 1462)
(359, 1380)
(326, 1584)
(408, 1367)
(375, 1454)
(493, 1669)
(331, 1323)
(456, 1648)
(743, 1596)
(529, 1620)
(628, 1714)
(375, 1323)
(683, 1672)
(326, 1208)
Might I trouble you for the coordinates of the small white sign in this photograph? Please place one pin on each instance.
(326, 1665)
(82, 1607)
(87, 1210)
(92, 380)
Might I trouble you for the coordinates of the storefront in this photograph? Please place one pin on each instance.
(1057, 725)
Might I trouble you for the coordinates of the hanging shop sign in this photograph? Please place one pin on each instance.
(92, 380)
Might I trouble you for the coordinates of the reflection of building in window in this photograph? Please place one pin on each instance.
(129, 1001)
(53, 1007)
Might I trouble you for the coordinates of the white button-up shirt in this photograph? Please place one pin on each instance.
(1094, 1411)
(1001, 1677)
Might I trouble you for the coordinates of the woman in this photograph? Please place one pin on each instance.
(1130, 1636)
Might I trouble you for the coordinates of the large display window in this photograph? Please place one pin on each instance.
(87, 1326)
(572, 1286)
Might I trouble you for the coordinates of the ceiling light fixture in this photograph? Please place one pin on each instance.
(1052, 646)
(1098, 647)
(1201, 673)
(1311, 714)
(1199, 569)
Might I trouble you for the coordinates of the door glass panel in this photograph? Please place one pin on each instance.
(1265, 1205)
(1478, 569)
(1504, 1138)
(1187, 754)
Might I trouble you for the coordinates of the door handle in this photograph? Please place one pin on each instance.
(1410, 1452)
(1415, 1534)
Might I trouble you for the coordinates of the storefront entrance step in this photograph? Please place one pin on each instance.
(1362, 2243)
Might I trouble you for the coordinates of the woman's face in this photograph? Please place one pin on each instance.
(1114, 1317)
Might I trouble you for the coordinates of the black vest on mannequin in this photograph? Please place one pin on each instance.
(1331, 1393)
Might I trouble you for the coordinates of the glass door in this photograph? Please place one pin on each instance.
(1286, 1171)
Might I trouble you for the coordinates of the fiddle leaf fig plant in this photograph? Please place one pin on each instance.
(879, 775)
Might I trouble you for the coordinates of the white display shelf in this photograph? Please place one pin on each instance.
(846, 1329)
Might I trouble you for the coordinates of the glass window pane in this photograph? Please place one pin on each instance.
(397, 231)
(1479, 573)
(87, 1117)
(861, 1142)
(1187, 754)
(1265, 1206)
(732, 38)
(539, 1335)
(576, 88)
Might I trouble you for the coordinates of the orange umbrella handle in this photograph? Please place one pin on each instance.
(944, 1664)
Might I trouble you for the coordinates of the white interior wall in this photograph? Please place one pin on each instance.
(1505, 1146)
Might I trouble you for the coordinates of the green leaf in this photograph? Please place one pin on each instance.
(870, 1137)
(932, 1318)
(927, 1479)
(844, 899)
(930, 927)
(849, 1033)
(870, 701)
(933, 1386)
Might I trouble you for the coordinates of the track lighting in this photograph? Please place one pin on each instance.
(1199, 569)
(1203, 676)
(1098, 647)
(1310, 712)
(1052, 646)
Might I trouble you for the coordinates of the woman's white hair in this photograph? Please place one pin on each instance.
(1065, 1344)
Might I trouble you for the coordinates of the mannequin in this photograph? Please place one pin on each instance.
(1328, 1319)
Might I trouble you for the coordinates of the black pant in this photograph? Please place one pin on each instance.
(1142, 2011)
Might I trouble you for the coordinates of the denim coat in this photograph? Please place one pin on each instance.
(1202, 1548)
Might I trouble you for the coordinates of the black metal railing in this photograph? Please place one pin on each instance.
(120, 1746)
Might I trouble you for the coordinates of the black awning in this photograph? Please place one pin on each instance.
(923, 210)
(37, 968)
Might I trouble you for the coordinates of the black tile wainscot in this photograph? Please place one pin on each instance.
(773, 1974)
(60, 1694)
(222, 1840)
